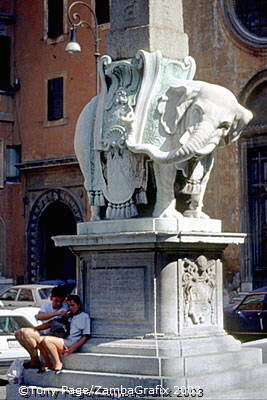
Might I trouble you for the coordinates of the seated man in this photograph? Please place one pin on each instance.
(29, 338)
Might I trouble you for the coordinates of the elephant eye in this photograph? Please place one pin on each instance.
(224, 125)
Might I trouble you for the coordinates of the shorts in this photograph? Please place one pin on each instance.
(67, 343)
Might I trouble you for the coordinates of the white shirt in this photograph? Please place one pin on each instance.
(48, 309)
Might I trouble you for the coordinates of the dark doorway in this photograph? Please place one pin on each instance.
(257, 193)
(56, 262)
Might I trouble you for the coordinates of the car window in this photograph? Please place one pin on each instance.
(252, 303)
(45, 293)
(10, 324)
(9, 294)
(25, 295)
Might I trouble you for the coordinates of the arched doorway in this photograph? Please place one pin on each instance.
(56, 262)
(55, 212)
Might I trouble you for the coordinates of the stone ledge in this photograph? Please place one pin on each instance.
(140, 225)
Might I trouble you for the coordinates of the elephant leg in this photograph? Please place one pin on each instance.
(95, 212)
(195, 202)
(165, 199)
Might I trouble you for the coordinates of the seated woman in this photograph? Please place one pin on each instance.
(50, 346)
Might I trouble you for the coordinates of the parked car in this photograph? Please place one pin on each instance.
(69, 284)
(25, 295)
(248, 319)
(29, 313)
(10, 349)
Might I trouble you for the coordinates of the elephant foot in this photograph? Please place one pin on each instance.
(195, 214)
(95, 213)
(169, 212)
(95, 218)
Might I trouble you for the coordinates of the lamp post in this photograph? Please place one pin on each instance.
(76, 21)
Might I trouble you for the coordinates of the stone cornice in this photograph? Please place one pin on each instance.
(47, 163)
(255, 129)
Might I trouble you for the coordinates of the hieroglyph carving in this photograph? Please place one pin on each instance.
(199, 285)
(149, 106)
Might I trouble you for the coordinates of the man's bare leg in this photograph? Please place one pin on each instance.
(29, 339)
(54, 346)
(45, 355)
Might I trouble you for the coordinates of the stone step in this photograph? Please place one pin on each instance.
(150, 347)
(229, 380)
(39, 393)
(220, 362)
(86, 379)
(254, 393)
(210, 383)
(125, 364)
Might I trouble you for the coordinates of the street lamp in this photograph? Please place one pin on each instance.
(76, 21)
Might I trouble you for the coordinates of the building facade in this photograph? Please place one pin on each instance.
(42, 91)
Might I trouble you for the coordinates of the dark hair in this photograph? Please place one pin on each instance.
(76, 299)
(59, 291)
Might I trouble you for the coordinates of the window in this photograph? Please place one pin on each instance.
(253, 15)
(13, 158)
(5, 62)
(102, 11)
(55, 99)
(2, 246)
(44, 293)
(247, 19)
(253, 302)
(10, 324)
(1, 163)
(10, 294)
(55, 18)
(25, 295)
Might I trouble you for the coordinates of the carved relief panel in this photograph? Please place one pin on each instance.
(198, 292)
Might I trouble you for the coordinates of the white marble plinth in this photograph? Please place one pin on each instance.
(138, 225)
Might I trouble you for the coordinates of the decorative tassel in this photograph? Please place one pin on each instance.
(133, 210)
(140, 196)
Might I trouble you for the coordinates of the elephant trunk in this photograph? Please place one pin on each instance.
(201, 141)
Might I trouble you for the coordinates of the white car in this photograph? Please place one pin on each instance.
(10, 349)
(25, 295)
(30, 313)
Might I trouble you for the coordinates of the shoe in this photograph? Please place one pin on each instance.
(58, 371)
(28, 365)
(41, 370)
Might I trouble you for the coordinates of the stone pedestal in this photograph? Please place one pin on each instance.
(151, 277)
(153, 288)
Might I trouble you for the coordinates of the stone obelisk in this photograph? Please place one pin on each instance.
(150, 25)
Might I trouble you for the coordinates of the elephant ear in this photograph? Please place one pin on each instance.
(241, 120)
(172, 106)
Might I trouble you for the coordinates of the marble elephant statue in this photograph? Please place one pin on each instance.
(195, 118)
(150, 107)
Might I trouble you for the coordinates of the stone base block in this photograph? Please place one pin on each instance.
(162, 225)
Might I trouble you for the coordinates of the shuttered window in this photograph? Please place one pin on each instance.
(5, 62)
(102, 11)
(55, 99)
(55, 18)
(13, 158)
